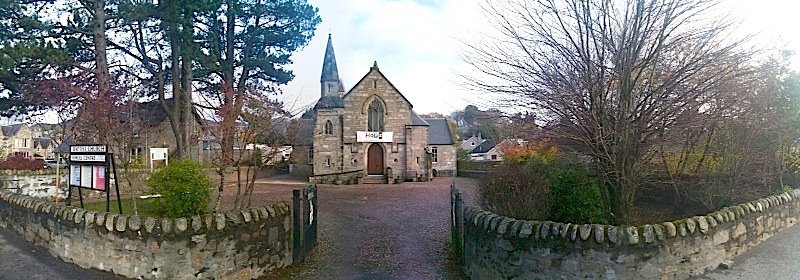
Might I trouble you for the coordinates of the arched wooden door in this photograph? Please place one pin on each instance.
(375, 160)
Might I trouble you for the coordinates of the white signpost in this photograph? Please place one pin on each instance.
(375, 136)
(159, 154)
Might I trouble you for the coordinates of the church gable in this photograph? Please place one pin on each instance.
(376, 93)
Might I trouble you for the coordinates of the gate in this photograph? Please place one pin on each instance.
(304, 227)
(457, 224)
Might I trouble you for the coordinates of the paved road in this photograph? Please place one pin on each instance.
(777, 258)
(20, 260)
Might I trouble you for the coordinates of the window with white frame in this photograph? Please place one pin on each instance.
(434, 154)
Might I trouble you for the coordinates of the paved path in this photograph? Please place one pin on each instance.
(777, 258)
(381, 232)
(20, 260)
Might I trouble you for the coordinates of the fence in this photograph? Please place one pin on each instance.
(457, 224)
(304, 227)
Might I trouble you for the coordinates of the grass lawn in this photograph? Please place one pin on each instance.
(146, 207)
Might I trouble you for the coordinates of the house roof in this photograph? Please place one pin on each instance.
(43, 142)
(151, 113)
(439, 132)
(416, 120)
(11, 130)
(484, 147)
(63, 148)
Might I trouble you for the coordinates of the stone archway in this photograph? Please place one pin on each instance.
(375, 163)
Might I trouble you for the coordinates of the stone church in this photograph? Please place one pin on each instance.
(371, 134)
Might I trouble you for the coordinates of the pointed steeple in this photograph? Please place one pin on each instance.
(330, 83)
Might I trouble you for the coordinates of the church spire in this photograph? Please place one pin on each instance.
(330, 83)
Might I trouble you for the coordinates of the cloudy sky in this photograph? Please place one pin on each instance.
(417, 44)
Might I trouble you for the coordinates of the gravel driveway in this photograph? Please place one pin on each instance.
(377, 231)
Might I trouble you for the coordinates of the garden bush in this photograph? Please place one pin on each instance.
(518, 190)
(538, 183)
(184, 187)
(575, 196)
(20, 162)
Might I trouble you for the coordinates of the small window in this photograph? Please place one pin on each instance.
(311, 155)
(494, 157)
(328, 161)
(328, 127)
(374, 83)
(434, 154)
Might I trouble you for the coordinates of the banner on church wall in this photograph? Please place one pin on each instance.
(374, 136)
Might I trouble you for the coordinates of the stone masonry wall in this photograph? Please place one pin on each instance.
(446, 164)
(497, 247)
(243, 245)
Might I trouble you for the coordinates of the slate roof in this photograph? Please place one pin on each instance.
(42, 142)
(329, 70)
(329, 102)
(416, 120)
(63, 148)
(484, 147)
(152, 114)
(11, 130)
(439, 132)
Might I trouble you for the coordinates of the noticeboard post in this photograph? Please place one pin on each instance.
(89, 168)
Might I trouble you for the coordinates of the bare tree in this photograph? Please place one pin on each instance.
(618, 73)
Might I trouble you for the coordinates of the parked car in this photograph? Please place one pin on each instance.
(52, 163)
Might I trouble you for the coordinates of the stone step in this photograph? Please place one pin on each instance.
(373, 180)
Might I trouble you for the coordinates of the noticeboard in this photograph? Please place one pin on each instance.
(88, 166)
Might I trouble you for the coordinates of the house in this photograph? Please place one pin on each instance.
(491, 150)
(151, 128)
(372, 131)
(472, 142)
(23, 140)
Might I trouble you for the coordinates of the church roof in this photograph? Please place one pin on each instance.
(416, 120)
(328, 102)
(329, 70)
(439, 132)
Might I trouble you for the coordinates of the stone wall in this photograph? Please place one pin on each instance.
(497, 247)
(446, 164)
(40, 185)
(242, 245)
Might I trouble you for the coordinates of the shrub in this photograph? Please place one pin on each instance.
(20, 162)
(184, 187)
(518, 190)
(537, 183)
(575, 196)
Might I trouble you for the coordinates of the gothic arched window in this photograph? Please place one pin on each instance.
(375, 115)
(328, 127)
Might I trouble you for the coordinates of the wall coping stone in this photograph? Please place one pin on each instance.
(150, 225)
(609, 234)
